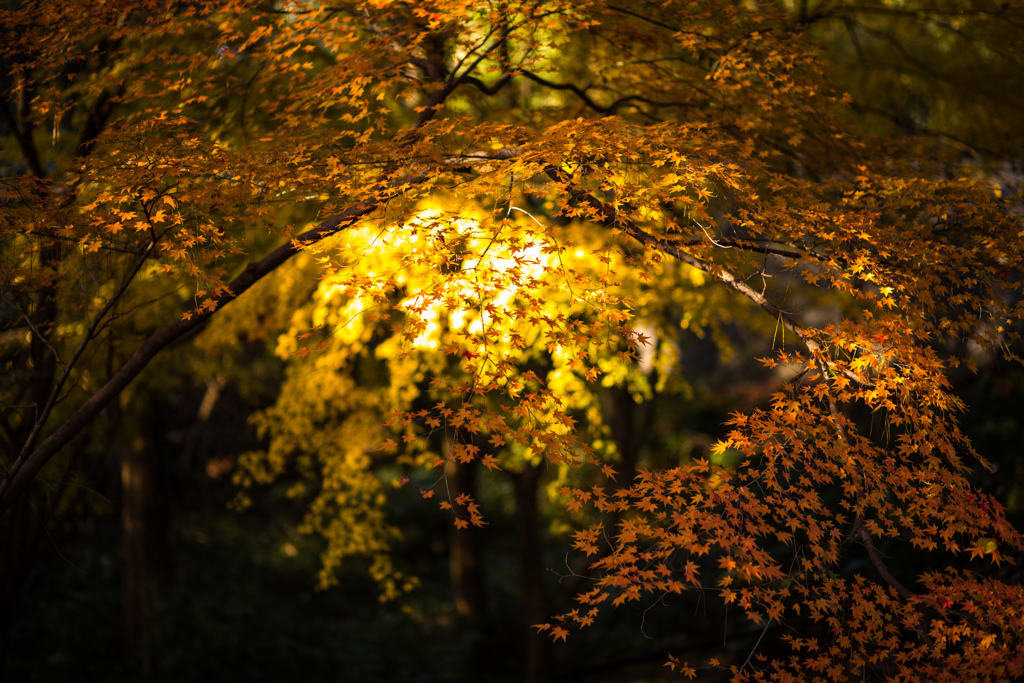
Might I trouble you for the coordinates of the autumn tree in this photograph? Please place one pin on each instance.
(514, 205)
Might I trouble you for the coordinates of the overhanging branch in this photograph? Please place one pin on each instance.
(25, 468)
(608, 216)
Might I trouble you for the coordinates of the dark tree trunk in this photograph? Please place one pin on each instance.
(21, 528)
(536, 603)
(465, 562)
(630, 424)
(464, 554)
(145, 517)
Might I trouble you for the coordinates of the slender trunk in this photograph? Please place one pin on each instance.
(536, 603)
(630, 424)
(21, 528)
(464, 555)
(467, 577)
(146, 554)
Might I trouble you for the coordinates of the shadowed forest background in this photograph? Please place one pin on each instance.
(504, 292)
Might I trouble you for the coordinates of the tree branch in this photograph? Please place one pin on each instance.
(608, 216)
(876, 559)
(582, 94)
(43, 415)
(27, 467)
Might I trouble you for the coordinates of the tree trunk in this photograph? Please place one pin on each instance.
(21, 528)
(536, 603)
(467, 577)
(145, 518)
(630, 424)
(464, 554)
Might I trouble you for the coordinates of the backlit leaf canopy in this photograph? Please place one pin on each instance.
(499, 208)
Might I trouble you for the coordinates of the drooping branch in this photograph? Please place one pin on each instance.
(608, 216)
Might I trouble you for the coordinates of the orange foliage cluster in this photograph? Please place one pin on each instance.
(219, 139)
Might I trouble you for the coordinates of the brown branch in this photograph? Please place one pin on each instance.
(582, 94)
(877, 560)
(608, 216)
(433, 70)
(27, 467)
(44, 414)
(483, 87)
(437, 98)
(759, 246)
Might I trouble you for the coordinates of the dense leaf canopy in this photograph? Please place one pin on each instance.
(466, 220)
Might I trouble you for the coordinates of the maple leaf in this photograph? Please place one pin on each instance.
(659, 209)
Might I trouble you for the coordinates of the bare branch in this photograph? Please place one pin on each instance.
(582, 94)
